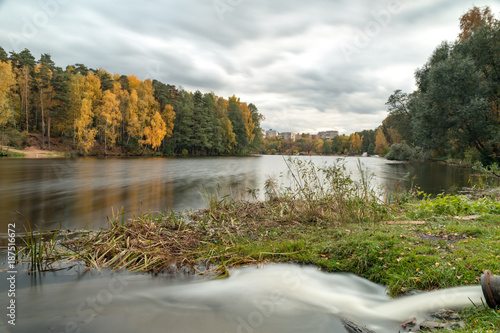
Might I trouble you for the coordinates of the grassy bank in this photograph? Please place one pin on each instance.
(327, 219)
(7, 153)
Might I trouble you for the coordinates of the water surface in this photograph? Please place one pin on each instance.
(273, 298)
(82, 193)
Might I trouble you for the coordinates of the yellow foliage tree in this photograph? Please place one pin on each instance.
(246, 114)
(155, 132)
(142, 109)
(133, 123)
(228, 135)
(85, 96)
(355, 142)
(7, 82)
(85, 132)
(380, 142)
(110, 116)
(168, 116)
(318, 145)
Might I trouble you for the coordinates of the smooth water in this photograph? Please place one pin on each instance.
(273, 298)
(82, 193)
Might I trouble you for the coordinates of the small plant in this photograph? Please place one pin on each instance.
(40, 249)
(444, 205)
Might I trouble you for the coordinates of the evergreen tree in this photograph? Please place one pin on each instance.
(239, 129)
(43, 78)
(59, 103)
(183, 124)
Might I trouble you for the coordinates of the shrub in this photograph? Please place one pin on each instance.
(403, 152)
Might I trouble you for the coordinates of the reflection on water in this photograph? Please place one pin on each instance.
(82, 192)
(274, 298)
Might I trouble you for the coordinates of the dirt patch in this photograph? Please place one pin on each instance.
(34, 149)
(34, 152)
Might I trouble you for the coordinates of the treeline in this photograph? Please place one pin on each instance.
(99, 112)
(354, 144)
(455, 111)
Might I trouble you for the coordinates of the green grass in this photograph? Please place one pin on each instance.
(7, 153)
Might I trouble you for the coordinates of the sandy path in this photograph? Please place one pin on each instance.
(33, 152)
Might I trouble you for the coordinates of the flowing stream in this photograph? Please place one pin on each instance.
(273, 298)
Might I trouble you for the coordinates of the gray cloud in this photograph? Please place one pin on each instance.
(306, 65)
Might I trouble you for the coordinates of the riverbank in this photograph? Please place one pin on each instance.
(31, 152)
(326, 219)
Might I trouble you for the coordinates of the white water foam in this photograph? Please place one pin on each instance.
(272, 298)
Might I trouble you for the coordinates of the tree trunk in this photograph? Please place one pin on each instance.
(105, 140)
(26, 97)
(48, 133)
(43, 121)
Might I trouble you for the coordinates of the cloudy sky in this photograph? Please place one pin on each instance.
(307, 65)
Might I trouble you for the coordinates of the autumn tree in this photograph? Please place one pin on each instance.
(473, 19)
(85, 97)
(23, 64)
(154, 132)
(257, 130)
(318, 145)
(243, 126)
(381, 143)
(110, 117)
(168, 116)
(227, 133)
(7, 82)
(88, 104)
(355, 142)
(84, 131)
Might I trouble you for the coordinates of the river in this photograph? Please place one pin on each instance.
(82, 193)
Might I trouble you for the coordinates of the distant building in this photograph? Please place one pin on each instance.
(271, 133)
(328, 135)
(287, 136)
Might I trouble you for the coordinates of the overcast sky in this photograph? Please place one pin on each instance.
(307, 65)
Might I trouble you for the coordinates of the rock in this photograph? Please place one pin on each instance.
(409, 323)
(352, 327)
(432, 325)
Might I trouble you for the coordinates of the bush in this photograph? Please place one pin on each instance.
(400, 152)
(403, 152)
(12, 137)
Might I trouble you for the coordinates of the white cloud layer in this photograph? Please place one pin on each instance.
(307, 65)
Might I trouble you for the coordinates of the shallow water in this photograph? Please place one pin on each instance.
(273, 298)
